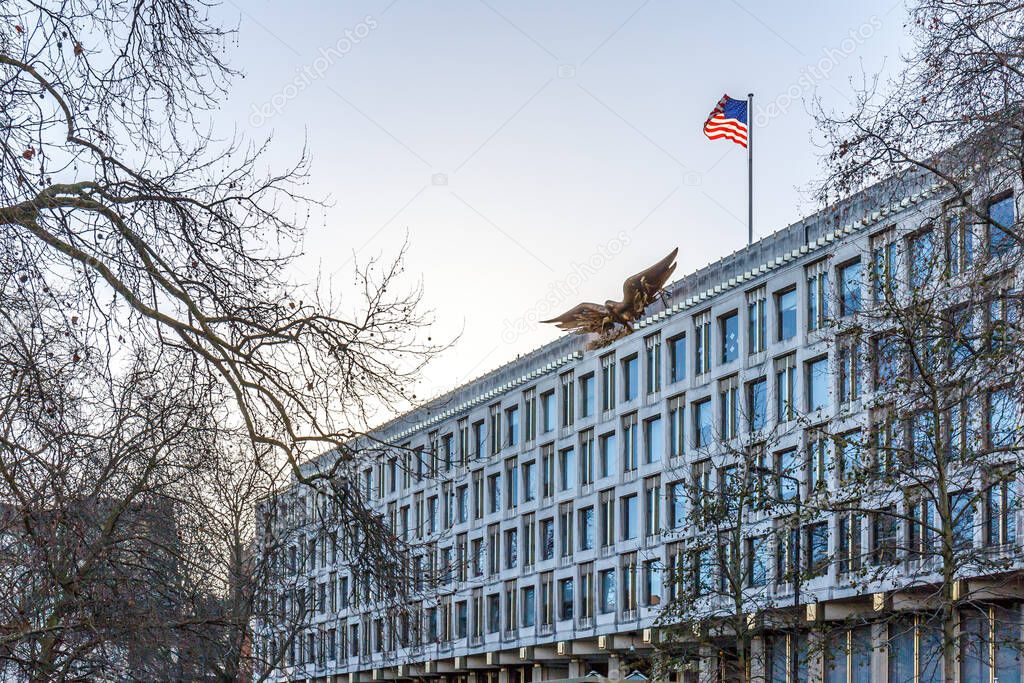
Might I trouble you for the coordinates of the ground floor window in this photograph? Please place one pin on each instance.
(848, 656)
(990, 644)
(915, 650)
(787, 658)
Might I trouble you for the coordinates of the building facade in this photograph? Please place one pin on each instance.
(552, 498)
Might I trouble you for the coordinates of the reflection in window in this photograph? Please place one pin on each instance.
(817, 384)
(1000, 229)
(785, 305)
(849, 288)
(730, 331)
(922, 259)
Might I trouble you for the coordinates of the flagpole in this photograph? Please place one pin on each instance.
(750, 169)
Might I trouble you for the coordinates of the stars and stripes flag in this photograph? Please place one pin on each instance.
(728, 120)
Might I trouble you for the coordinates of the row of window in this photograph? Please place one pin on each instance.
(852, 540)
(911, 646)
(826, 460)
(621, 589)
(621, 380)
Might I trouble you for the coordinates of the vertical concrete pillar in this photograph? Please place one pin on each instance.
(503, 676)
(614, 672)
(538, 672)
(576, 669)
(474, 677)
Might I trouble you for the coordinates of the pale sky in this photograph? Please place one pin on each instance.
(513, 142)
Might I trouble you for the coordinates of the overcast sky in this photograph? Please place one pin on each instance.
(518, 143)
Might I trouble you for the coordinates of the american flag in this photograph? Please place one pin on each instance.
(728, 120)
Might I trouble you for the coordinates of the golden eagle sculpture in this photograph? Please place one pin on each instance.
(637, 293)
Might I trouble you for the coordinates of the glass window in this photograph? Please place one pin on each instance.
(529, 480)
(677, 505)
(817, 384)
(653, 363)
(817, 548)
(702, 422)
(629, 443)
(493, 613)
(922, 258)
(652, 507)
(757, 324)
(511, 548)
(512, 484)
(586, 528)
(883, 264)
(494, 486)
(849, 369)
(729, 326)
(677, 358)
(1001, 506)
(530, 414)
(848, 450)
(607, 518)
(547, 411)
(757, 404)
(606, 580)
(547, 538)
(817, 296)
(607, 446)
(785, 305)
(512, 422)
(962, 513)
(787, 467)
(778, 660)
(702, 345)
(757, 561)
(587, 457)
(586, 395)
(654, 440)
(1002, 419)
(959, 238)
(652, 582)
(630, 378)
(630, 517)
(849, 288)
(923, 438)
(785, 388)
(565, 599)
(886, 361)
(729, 407)
(883, 535)
(608, 382)
(568, 399)
(529, 605)
(677, 424)
(818, 460)
(704, 570)
(567, 466)
(1001, 226)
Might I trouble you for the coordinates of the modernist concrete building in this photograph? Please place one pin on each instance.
(551, 499)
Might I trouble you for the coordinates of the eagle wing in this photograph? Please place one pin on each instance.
(640, 290)
(582, 318)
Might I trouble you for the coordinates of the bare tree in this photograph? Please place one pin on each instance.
(161, 373)
(939, 330)
(740, 506)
